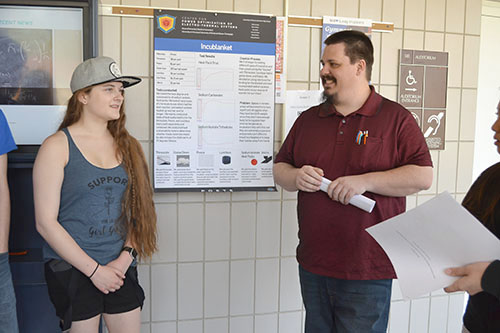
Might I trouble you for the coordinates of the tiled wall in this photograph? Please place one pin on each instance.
(226, 261)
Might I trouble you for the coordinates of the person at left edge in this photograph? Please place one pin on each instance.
(8, 316)
(94, 205)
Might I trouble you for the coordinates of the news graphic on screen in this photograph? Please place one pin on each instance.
(39, 49)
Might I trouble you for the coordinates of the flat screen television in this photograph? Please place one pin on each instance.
(41, 42)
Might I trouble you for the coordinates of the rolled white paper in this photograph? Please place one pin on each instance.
(358, 200)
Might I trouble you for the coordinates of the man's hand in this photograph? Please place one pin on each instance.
(308, 178)
(470, 280)
(343, 189)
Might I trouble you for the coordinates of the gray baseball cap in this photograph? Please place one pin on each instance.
(99, 70)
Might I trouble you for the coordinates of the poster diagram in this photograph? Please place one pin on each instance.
(214, 101)
(423, 77)
(217, 79)
(216, 110)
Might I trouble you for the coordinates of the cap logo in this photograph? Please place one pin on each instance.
(113, 68)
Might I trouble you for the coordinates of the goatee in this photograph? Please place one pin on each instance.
(332, 99)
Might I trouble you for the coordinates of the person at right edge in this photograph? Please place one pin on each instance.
(482, 279)
(366, 144)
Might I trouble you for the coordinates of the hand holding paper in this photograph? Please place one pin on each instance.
(430, 238)
(358, 200)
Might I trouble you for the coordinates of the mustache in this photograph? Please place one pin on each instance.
(328, 77)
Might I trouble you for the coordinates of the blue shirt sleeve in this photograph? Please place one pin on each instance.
(7, 143)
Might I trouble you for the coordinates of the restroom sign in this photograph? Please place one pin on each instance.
(423, 82)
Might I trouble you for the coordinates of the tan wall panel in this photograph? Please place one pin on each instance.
(393, 12)
(371, 9)
(274, 7)
(453, 44)
(434, 41)
(414, 14)
(323, 8)
(299, 7)
(347, 8)
(455, 11)
(298, 55)
(136, 49)
(435, 15)
(391, 43)
(223, 5)
(247, 6)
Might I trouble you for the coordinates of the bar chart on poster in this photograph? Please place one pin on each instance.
(214, 77)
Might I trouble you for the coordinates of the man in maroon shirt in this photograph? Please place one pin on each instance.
(365, 144)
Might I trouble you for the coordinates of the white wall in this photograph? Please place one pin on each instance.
(226, 261)
(488, 92)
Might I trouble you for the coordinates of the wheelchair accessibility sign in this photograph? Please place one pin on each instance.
(411, 86)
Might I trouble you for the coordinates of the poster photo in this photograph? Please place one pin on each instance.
(214, 95)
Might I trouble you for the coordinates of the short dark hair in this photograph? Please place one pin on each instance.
(357, 46)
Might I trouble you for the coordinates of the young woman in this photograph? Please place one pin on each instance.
(482, 280)
(94, 205)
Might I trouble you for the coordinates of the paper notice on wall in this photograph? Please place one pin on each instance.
(298, 101)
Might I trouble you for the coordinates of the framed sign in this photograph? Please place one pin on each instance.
(423, 83)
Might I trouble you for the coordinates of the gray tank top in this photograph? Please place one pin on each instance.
(90, 206)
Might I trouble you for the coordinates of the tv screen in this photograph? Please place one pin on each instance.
(39, 49)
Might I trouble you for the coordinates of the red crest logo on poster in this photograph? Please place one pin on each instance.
(166, 23)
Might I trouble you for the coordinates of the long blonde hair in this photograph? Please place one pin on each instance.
(138, 220)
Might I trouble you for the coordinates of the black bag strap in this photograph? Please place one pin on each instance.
(72, 287)
(57, 266)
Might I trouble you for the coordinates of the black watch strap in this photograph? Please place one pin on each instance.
(131, 251)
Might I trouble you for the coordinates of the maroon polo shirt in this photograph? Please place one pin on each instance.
(332, 237)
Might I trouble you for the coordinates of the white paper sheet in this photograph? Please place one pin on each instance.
(298, 101)
(426, 240)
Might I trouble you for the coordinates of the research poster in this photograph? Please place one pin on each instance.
(214, 94)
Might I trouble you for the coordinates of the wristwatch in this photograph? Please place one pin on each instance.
(131, 251)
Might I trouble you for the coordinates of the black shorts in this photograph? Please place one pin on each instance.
(87, 300)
